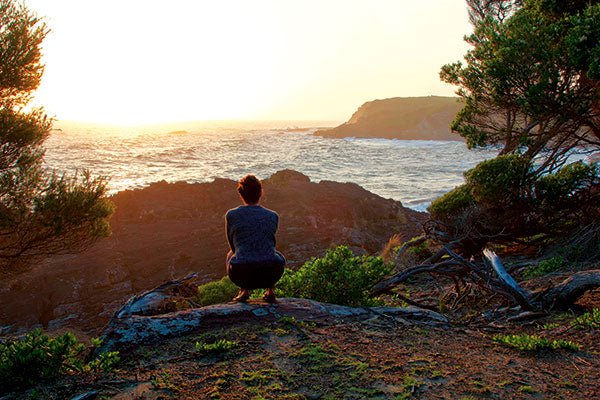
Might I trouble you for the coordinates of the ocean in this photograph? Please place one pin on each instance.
(412, 171)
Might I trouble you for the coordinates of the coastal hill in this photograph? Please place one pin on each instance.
(169, 230)
(407, 118)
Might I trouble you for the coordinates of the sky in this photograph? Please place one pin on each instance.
(130, 62)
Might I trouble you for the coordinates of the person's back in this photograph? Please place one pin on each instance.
(253, 262)
(251, 233)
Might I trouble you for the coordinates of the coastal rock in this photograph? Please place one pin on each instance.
(407, 118)
(128, 330)
(170, 230)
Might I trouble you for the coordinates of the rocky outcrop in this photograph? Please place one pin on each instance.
(129, 328)
(170, 230)
(407, 118)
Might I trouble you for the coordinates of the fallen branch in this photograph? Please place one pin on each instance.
(568, 291)
(492, 276)
(520, 295)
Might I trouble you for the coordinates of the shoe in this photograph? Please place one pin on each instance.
(242, 296)
(270, 297)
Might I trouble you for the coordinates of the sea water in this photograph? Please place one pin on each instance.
(412, 171)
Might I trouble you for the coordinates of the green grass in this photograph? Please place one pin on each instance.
(533, 343)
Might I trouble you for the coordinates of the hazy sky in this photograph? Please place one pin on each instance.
(145, 61)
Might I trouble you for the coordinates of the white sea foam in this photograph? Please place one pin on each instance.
(414, 172)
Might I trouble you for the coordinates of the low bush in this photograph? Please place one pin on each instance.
(534, 343)
(216, 292)
(544, 267)
(589, 320)
(38, 357)
(339, 277)
(450, 204)
(500, 181)
(570, 181)
(508, 199)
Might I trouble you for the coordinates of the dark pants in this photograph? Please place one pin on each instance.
(256, 275)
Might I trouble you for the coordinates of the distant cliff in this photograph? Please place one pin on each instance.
(408, 118)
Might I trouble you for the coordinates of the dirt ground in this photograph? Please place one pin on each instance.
(376, 359)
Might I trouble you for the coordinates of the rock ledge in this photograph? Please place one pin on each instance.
(129, 330)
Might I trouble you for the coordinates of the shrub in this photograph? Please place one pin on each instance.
(590, 319)
(499, 181)
(38, 357)
(451, 203)
(216, 292)
(339, 277)
(534, 343)
(570, 181)
(544, 267)
(507, 199)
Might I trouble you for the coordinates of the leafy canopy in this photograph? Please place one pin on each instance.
(531, 81)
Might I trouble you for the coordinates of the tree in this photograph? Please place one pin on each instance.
(496, 9)
(531, 82)
(41, 212)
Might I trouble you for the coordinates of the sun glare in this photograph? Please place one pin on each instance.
(140, 62)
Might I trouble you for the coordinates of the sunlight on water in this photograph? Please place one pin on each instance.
(414, 172)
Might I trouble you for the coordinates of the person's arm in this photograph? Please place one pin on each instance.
(229, 233)
(276, 227)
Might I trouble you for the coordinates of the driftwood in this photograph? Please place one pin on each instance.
(490, 274)
(568, 291)
(520, 295)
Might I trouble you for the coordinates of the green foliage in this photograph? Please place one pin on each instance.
(526, 389)
(41, 212)
(38, 357)
(219, 346)
(452, 203)
(105, 362)
(409, 384)
(499, 181)
(530, 79)
(216, 292)
(589, 320)
(506, 198)
(422, 250)
(544, 267)
(568, 183)
(532, 343)
(339, 277)
(164, 380)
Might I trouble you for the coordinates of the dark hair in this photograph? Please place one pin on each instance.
(250, 188)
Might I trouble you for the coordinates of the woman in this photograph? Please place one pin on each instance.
(253, 262)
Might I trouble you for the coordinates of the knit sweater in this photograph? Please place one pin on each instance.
(251, 234)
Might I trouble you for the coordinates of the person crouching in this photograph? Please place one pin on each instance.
(253, 262)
